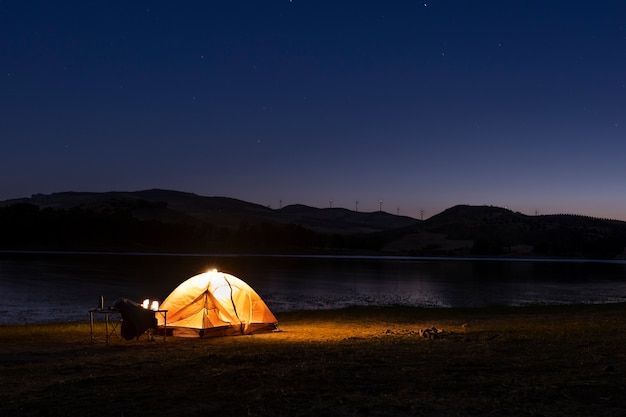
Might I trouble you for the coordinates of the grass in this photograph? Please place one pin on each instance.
(533, 361)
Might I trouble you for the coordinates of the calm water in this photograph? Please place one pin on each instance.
(58, 287)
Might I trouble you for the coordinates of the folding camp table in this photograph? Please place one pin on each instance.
(110, 326)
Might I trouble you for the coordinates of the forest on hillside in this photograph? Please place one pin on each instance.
(26, 226)
(468, 231)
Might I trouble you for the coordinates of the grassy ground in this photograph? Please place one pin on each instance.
(536, 361)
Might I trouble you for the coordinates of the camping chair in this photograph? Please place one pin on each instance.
(136, 320)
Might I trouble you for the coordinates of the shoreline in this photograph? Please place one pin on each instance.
(499, 308)
(495, 308)
(314, 256)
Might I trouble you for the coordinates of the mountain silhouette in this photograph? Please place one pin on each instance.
(165, 220)
(187, 208)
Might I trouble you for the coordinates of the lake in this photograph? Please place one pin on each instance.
(44, 287)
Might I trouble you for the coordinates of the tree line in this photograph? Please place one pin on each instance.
(26, 226)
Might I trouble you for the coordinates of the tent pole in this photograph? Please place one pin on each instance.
(233, 303)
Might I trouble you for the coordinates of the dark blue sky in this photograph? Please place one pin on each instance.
(423, 104)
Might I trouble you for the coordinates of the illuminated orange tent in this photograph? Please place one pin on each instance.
(215, 303)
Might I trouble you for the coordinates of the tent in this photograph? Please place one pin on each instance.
(215, 303)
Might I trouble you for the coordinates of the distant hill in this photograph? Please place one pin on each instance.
(175, 207)
(163, 220)
(488, 230)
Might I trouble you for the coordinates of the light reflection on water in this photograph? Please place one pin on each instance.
(55, 287)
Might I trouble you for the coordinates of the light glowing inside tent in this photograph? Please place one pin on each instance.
(215, 301)
(222, 293)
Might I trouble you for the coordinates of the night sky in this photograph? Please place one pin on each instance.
(420, 104)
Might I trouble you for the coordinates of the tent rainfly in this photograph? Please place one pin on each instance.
(215, 304)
